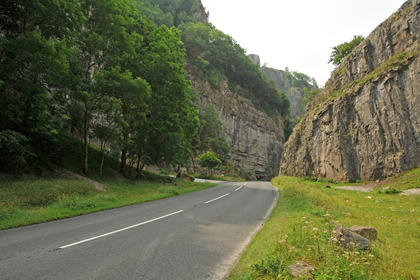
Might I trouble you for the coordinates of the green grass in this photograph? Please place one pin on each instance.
(30, 201)
(25, 202)
(300, 227)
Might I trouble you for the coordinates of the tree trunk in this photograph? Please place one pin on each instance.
(86, 142)
(103, 157)
(140, 169)
(123, 168)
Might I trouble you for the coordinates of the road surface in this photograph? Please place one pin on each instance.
(197, 235)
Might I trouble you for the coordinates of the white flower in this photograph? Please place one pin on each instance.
(315, 229)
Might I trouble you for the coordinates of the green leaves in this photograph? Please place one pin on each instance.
(96, 68)
(209, 159)
(341, 51)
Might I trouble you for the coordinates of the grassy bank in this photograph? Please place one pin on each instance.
(53, 196)
(25, 202)
(300, 227)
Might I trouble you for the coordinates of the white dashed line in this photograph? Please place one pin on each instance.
(238, 188)
(120, 230)
(217, 198)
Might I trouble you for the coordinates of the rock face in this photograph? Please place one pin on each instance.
(256, 59)
(283, 82)
(199, 12)
(255, 139)
(366, 122)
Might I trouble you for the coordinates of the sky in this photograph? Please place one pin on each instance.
(298, 34)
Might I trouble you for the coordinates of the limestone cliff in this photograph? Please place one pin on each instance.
(199, 11)
(284, 83)
(366, 122)
(256, 140)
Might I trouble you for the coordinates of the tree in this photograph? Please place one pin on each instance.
(209, 160)
(35, 38)
(343, 50)
(210, 133)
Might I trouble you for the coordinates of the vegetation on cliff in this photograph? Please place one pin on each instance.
(343, 50)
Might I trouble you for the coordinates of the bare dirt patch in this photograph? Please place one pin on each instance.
(411, 192)
(118, 176)
(70, 174)
(364, 188)
(371, 186)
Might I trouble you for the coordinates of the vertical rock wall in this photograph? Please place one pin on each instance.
(366, 123)
(256, 140)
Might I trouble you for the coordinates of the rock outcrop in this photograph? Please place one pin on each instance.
(283, 82)
(256, 140)
(199, 11)
(365, 124)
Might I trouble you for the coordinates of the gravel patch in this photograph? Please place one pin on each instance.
(411, 192)
(356, 188)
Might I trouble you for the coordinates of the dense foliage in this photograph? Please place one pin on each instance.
(97, 69)
(167, 12)
(341, 51)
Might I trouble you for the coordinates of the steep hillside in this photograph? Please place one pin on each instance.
(366, 122)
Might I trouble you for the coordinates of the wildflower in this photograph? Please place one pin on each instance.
(357, 253)
(327, 215)
(392, 208)
(412, 211)
(348, 214)
(367, 263)
(304, 227)
(337, 221)
(371, 256)
(282, 241)
(304, 218)
(306, 222)
(286, 236)
(315, 229)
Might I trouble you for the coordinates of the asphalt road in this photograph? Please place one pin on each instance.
(198, 235)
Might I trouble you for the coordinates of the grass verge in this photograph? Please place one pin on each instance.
(26, 202)
(300, 227)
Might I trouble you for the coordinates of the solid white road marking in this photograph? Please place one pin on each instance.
(123, 229)
(217, 198)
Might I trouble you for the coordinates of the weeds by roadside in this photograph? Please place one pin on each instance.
(300, 229)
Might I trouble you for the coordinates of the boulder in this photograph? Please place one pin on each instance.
(300, 269)
(350, 240)
(185, 177)
(366, 232)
